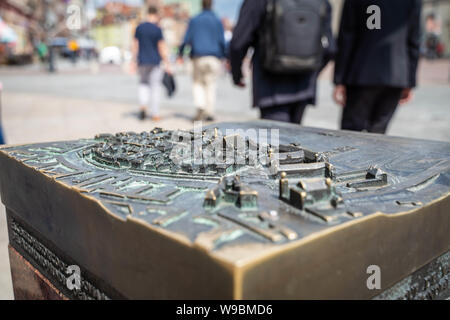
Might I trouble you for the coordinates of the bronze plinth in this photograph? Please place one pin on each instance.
(301, 219)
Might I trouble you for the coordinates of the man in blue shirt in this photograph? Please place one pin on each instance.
(149, 51)
(205, 36)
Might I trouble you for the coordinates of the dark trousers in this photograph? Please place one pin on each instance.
(292, 112)
(370, 108)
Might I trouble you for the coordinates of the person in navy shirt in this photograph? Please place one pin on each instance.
(149, 51)
(206, 38)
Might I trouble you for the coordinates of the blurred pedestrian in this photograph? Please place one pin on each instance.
(206, 39)
(42, 51)
(2, 138)
(376, 63)
(292, 43)
(149, 49)
(228, 27)
(434, 48)
(74, 49)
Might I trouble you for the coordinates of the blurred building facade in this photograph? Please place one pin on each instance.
(32, 21)
(177, 12)
(22, 20)
(114, 23)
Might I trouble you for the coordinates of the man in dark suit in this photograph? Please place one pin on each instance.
(279, 97)
(376, 64)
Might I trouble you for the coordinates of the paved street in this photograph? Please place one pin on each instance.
(81, 102)
(77, 103)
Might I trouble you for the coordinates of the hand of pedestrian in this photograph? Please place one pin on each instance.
(407, 96)
(227, 65)
(180, 61)
(133, 67)
(340, 95)
(168, 68)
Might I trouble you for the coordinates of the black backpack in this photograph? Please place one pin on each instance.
(292, 38)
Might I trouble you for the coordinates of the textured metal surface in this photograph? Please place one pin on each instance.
(116, 204)
(51, 266)
(430, 282)
(29, 283)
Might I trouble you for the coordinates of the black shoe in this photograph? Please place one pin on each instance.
(210, 119)
(142, 115)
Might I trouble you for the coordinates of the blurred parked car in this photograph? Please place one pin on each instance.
(111, 55)
(87, 48)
